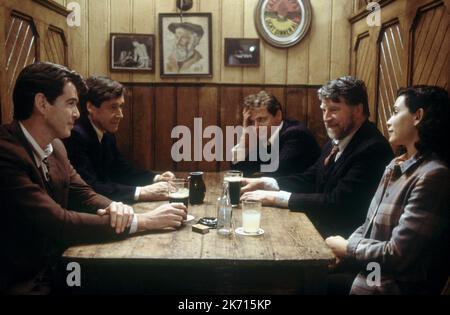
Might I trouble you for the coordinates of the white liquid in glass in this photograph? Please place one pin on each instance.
(251, 221)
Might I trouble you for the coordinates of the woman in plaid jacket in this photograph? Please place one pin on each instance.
(403, 246)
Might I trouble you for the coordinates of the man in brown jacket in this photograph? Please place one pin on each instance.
(38, 185)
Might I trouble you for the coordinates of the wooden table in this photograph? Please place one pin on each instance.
(289, 258)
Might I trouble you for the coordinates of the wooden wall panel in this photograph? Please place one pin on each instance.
(296, 104)
(165, 120)
(152, 112)
(120, 22)
(27, 28)
(54, 48)
(99, 15)
(392, 72)
(365, 62)
(230, 113)
(208, 104)
(411, 46)
(143, 126)
(187, 110)
(320, 54)
(20, 50)
(315, 120)
(431, 41)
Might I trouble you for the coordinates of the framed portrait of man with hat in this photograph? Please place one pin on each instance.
(185, 45)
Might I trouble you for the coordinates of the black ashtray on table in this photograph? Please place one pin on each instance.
(210, 222)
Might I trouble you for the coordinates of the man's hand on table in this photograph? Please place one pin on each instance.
(164, 177)
(121, 216)
(166, 217)
(154, 192)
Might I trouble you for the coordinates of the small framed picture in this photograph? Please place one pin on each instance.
(242, 52)
(185, 45)
(132, 52)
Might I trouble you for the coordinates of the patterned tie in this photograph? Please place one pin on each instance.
(331, 156)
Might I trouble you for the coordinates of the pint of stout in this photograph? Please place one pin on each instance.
(234, 185)
(179, 191)
(180, 196)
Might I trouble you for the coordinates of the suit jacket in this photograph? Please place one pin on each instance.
(101, 165)
(336, 197)
(36, 221)
(298, 150)
(407, 230)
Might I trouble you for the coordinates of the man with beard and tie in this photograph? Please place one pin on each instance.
(184, 57)
(336, 191)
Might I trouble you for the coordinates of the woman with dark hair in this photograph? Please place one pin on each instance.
(403, 246)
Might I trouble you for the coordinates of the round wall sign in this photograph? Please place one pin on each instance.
(283, 23)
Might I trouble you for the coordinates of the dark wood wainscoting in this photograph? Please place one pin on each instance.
(152, 112)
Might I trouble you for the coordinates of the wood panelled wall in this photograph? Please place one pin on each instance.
(411, 46)
(152, 111)
(29, 31)
(322, 55)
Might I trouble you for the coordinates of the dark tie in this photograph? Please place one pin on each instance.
(331, 156)
(48, 179)
(46, 173)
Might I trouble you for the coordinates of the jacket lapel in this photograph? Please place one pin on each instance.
(17, 132)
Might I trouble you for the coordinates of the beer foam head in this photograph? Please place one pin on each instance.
(181, 193)
(233, 179)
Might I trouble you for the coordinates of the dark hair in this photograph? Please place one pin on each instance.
(352, 90)
(263, 99)
(42, 77)
(434, 127)
(101, 89)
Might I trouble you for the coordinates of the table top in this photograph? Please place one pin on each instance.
(290, 238)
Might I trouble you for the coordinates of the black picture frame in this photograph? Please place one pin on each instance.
(195, 32)
(242, 52)
(132, 52)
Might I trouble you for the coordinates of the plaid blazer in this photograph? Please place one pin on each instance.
(407, 230)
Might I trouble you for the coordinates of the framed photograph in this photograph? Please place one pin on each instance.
(242, 52)
(185, 46)
(283, 23)
(132, 52)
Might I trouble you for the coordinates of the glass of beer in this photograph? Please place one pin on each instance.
(251, 216)
(179, 191)
(234, 185)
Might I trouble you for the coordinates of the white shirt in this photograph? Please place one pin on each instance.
(38, 154)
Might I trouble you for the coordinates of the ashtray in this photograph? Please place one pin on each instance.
(210, 222)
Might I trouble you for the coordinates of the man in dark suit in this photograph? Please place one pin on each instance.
(38, 185)
(336, 191)
(93, 151)
(289, 144)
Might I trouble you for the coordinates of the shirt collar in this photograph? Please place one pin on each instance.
(99, 133)
(403, 164)
(342, 144)
(38, 153)
(275, 133)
